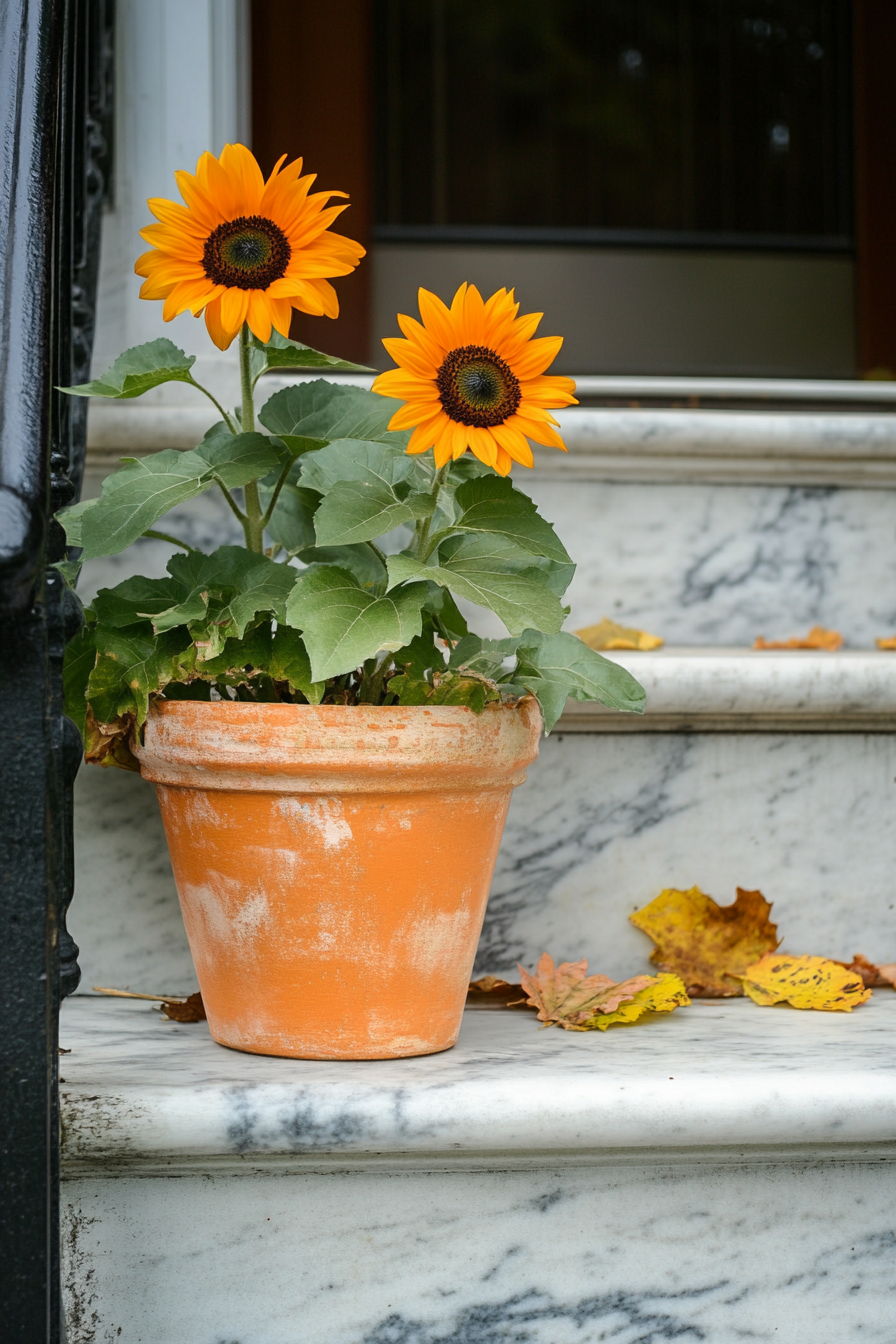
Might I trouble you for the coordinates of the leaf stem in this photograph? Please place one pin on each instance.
(228, 419)
(231, 501)
(166, 536)
(422, 538)
(273, 500)
(253, 524)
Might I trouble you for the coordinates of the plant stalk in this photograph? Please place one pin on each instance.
(423, 553)
(253, 527)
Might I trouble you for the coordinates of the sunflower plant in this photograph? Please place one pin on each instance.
(358, 543)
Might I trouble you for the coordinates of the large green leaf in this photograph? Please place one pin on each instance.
(359, 560)
(138, 370)
(364, 460)
(135, 600)
(237, 459)
(493, 572)
(323, 410)
(490, 504)
(343, 625)
(356, 511)
(134, 498)
(144, 489)
(282, 353)
(280, 655)
(291, 524)
(555, 667)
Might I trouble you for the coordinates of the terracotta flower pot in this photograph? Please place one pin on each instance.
(333, 864)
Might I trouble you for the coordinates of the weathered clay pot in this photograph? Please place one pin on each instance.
(333, 864)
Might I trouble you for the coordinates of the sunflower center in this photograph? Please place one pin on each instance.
(477, 387)
(246, 253)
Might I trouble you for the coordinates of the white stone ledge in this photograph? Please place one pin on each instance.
(723, 1078)
(746, 690)
(855, 447)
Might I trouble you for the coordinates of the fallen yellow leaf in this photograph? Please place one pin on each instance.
(804, 982)
(661, 995)
(817, 638)
(888, 644)
(709, 945)
(608, 635)
(566, 996)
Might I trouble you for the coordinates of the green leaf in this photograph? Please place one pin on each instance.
(356, 511)
(71, 517)
(129, 668)
(443, 609)
(485, 656)
(359, 560)
(70, 570)
(224, 592)
(135, 601)
(292, 522)
(282, 353)
(237, 459)
(80, 657)
(324, 410)
(364, 460)
(490, 504)
(493, 572)
(138, 370)
(298, 444)
(343, 624)
(133, 498)
(290, 662)
(419, 657)
(557, 666)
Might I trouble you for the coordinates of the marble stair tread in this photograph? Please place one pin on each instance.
(142, 1093)
(731, 688)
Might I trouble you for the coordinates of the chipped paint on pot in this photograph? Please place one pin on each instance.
(333, 864)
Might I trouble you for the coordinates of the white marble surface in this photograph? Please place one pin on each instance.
(801, 1254)
(138, 1088)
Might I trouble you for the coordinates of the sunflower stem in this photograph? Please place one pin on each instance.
(254, 524)
(424, 551)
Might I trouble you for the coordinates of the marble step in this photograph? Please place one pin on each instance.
(774, 771)
(723, 1173)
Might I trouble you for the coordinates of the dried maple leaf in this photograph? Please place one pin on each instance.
(888, 644)
(608, 635)
(490, 992)
(804, 982)
(817, 638)
(191, 1009)
(568, 997)
(707, 944)
(871, 975)
(660, 995)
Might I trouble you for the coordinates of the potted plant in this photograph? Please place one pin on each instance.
(332, 749)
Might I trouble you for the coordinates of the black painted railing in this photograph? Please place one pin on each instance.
(55, 111)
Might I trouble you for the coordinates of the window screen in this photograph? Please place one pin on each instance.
(701, 122)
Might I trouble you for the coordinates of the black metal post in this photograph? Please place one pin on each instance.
(54, 87)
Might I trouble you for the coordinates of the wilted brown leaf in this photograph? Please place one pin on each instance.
(608, 635)
(661, 994)
(569, 998)
(191, 1009)
(888, 644)
(707, 944)
(805, 982)
(871, 975)
(490, 992)
(817, 638)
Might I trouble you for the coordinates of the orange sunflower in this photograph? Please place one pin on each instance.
(245, 250)
(472, 376)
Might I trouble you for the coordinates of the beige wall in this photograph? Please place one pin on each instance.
(638, 311)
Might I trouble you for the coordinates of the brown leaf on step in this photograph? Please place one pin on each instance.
(490, 992)
(872, 976)
(608, 635)
(566, 996)
(804, 982)
(888, 644)
(707, 944)
(188, 1010)
(817, 638)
